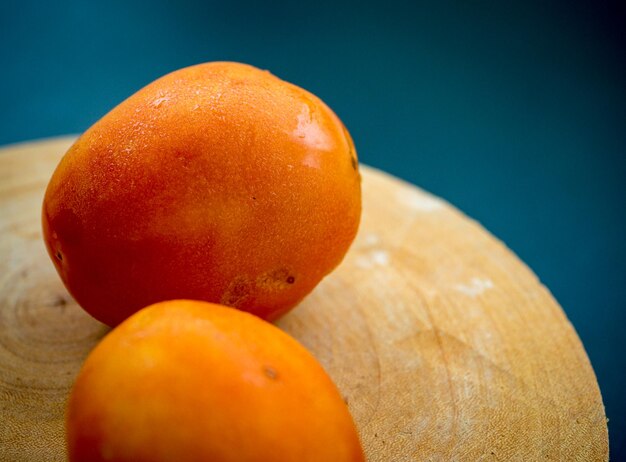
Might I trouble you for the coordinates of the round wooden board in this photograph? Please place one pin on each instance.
(445, 346)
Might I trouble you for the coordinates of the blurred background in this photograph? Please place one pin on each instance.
(513, 111)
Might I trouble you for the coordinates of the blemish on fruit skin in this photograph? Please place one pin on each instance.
(237, 292)
(59, 255)
(275, 280)
(270, 372)
(162, 97)
(159, 101)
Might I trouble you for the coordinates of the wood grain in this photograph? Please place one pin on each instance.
(445, 346)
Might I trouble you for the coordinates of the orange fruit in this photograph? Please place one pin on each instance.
(217, 182)
(192, 381)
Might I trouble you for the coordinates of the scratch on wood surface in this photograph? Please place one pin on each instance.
(475, 287)
(376, 257)
(371, 239)
(420, 202)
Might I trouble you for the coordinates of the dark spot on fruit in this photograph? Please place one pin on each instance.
(275, 280)
(59, 255)
(353, 161)
(270, 372)
(237, 292)
(253, 198)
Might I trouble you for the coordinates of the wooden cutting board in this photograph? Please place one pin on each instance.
(445, 345)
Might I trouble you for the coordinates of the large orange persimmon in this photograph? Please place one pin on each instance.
(191, 381)
(217, 182)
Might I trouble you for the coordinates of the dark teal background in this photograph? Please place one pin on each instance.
(515, 113)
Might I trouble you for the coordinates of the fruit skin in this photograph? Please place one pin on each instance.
(217, 182)
(192, 381)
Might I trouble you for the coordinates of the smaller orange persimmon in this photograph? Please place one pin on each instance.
(192, 381)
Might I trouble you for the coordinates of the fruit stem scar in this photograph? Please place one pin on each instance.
(291, 280)
(270, 372)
